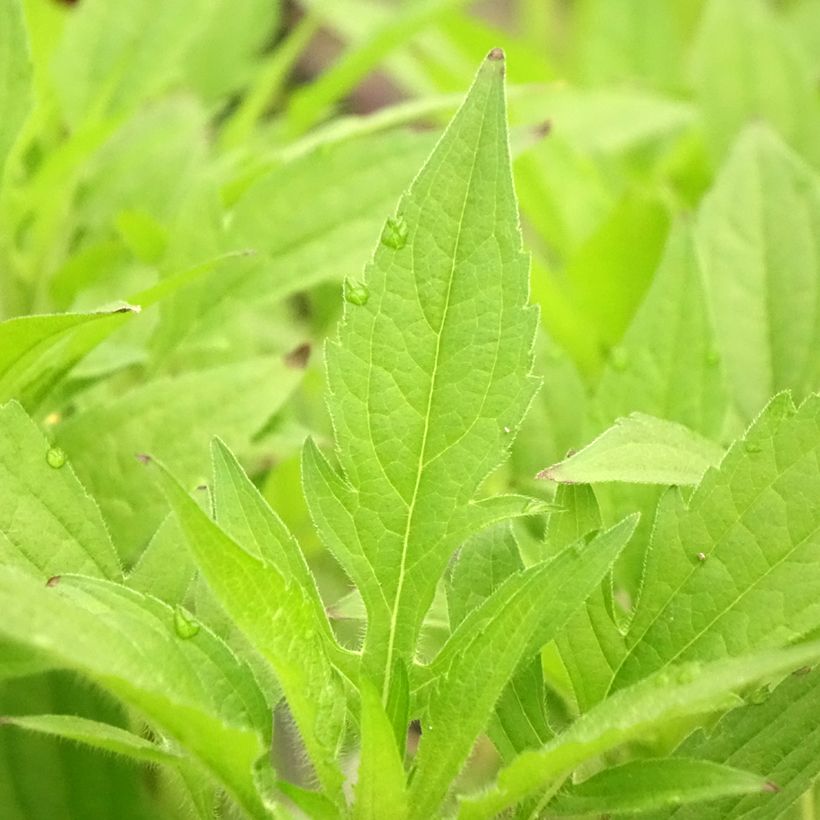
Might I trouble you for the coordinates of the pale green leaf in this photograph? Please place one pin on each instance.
(380, 788)
(470, 672)
(734, 570)
(95, 734)
(48, 523)
(761, 265)
(645, 785)
(279, 619)
(312, 101)
(633, 714)
(173, 419)
(777, 734)
(112, 56)
(667, 364)
(640, 449)
(193, 687)
(426, 375)
(37, 351)
(16, 76)
(747, 67)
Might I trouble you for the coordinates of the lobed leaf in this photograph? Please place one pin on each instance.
(430, 368)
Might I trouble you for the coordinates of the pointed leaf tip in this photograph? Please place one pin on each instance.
(496, 54)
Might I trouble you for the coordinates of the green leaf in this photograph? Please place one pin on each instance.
(48, 523)
(733, 570)
(380, 788)
(80, 781)
(310, 103)
(95, 734)
(747, 67)
(633, 714)
(665, 783)
(426, 376)
(37, 351)
(279, 619)
(172, 418)
(16, 76)
(194, 689)
(480, 567)
(473, 667)
(762, 270)
(667, 364)
(111, 58)
(590, 646)
(777, 735)
(640, 449)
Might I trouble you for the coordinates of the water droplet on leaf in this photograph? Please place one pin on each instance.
(760, 695)
(619, 358)
(55, 457)
(395, 233)
(184, 624)
(356, 293)
(702, 556)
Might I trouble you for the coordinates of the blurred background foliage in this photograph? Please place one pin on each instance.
(227, 163)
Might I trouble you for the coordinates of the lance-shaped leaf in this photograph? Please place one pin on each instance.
(639, 449)
(482, 565)
(380, 789)
(95, 734)
(667, 364)
(37, 351)
(429, 376)
(762, 269)
(590, 645)
(48, 523)
(644, 785)
(778, 735)
(736, 568)
(633, 714)
(186, 682)
(279, 619)
(481, 656)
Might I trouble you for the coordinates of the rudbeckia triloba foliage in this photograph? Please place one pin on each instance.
(526, 536)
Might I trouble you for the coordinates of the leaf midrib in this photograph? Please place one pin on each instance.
(423, 450)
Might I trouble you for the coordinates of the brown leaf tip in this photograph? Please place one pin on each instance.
(299, 357)
(496, 54)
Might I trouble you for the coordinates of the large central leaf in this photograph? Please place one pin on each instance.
(428, 378)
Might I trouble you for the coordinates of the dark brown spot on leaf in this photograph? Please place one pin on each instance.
(299, 357)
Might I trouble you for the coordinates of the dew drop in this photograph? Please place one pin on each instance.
(702, 556)
(356, 293)
(619, 358)
(751, 447)
(184, 624)
(55, 457)
(395, 232)
(760, 695)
